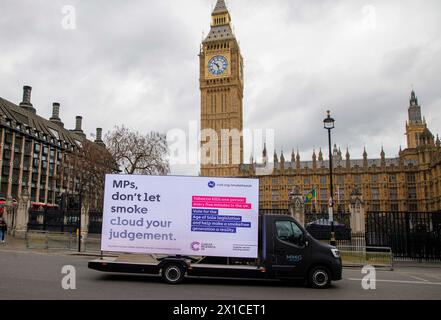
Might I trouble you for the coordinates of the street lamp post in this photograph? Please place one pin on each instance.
(329, 124)
(80, 206)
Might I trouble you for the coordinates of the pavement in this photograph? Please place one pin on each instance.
(19, 245)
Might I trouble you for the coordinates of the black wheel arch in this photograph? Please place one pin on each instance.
(178, 261)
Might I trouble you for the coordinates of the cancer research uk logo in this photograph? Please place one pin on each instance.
(195, 246)
(202, 246)
(212, 184)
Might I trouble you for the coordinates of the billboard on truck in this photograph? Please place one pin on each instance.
(172, 215)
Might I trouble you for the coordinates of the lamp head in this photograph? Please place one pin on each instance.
(329, 123)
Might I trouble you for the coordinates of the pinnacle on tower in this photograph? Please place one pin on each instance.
(414, 110)
(320, 156)
(413, 99)
(220, 24)
(220, 7)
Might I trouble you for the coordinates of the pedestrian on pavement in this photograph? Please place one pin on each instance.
(3, 229)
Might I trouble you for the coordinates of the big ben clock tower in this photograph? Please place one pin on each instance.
(221, 85)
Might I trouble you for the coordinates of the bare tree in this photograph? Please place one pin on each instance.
(136, 153)
(90, 163)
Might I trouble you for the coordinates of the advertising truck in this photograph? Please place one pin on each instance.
(206, 227)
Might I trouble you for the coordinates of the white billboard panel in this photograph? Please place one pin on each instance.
(173, 215)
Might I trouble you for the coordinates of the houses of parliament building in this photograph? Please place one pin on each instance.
(409, 182)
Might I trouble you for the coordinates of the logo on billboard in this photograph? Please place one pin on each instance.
(211, 184)
(195, 246)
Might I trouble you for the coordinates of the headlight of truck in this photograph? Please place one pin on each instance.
(335, 253)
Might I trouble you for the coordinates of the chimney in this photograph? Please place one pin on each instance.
(56, 114)
(99, 137)
(56, 110)
(78, 129)
(26, 103)
(78, 122)
(99, 134)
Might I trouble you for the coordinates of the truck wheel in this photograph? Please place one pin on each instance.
(173, 274)
(319, 277)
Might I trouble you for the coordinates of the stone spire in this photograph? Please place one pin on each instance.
(314, 160)
(413, 99)
(220, 7)
(282, 161)
(293, 157)
(414, 110)
(335, 150)
(264, 155)
(438, 142)
(348, 158)
(383, 157)
(298, 159)
(365, 159)
(320, 155)
(400, 158)
(275, 157)
(220, 23)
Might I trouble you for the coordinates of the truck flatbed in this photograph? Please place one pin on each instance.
(118, 265)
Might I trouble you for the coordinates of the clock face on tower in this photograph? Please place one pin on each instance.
(217, 65)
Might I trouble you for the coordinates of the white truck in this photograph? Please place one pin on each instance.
(206, 227)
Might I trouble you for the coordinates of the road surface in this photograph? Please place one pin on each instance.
(27, 275)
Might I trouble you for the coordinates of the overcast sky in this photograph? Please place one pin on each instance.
(135, 63)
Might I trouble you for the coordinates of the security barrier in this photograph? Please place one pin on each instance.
(361, 256)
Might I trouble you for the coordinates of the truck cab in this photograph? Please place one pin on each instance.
(290, 252)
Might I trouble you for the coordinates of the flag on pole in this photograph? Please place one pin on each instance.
(311, 196)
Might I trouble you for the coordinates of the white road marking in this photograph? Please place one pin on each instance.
(417, 278)
(402, 281)
(435, 276)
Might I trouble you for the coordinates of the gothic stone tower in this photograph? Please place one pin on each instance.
(221, 85)
(415, 126)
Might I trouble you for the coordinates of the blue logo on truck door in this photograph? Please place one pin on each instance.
(292, 258)
(211, 184)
